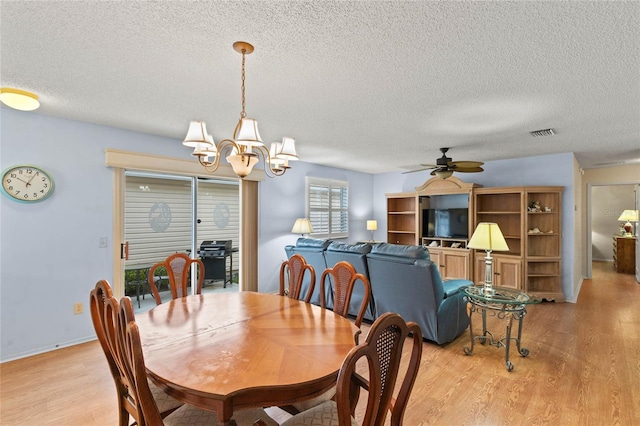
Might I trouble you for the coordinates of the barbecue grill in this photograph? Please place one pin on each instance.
(214, 255)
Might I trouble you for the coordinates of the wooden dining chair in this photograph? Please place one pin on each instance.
(143, 407)
(382, 350)
(177, 267)
(292, 275)
(104, 308)
(344, 279)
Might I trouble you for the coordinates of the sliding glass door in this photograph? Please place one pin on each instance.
(167, 214)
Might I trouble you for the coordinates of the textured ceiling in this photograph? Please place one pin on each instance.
(367, 86)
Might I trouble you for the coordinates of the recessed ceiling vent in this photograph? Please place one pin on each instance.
(543, 132)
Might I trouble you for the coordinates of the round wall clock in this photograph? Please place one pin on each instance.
(26, 183)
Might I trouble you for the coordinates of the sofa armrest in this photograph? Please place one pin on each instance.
(452, 287)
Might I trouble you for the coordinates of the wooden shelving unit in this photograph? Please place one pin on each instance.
(451, 255)
(543, 270)
(504, 207)
(533, 262)
(402, 218)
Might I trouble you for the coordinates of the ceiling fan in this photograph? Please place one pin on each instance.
(444, 167)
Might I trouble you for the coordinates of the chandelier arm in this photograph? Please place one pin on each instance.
(228, 145)
(224, 146)
(266, 163)
(210, 166)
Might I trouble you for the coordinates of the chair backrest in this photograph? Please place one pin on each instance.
(345, 278)
(104, 309)
(313, 251)
(292, 273)
(177, 267)
(382, 350)
(143, 406)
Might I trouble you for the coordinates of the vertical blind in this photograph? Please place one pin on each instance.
(328, 207)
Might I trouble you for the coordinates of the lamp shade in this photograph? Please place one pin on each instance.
(287, 149)
(273, 154)
(302, 226)
(488, 236)
(629, 216)
(197, 136)
(372, 225)
(246, 133)
(19, 99)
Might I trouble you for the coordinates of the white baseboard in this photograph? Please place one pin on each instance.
(46, 349)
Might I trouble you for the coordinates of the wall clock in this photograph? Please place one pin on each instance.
(27, 183)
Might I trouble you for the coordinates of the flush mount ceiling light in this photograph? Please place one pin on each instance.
(244, 150)
(19, 99)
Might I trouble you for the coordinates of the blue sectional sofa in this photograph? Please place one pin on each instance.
(403, 280)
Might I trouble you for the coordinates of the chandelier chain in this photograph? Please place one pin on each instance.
(243, 114)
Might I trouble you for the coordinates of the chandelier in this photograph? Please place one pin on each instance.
(244, 150)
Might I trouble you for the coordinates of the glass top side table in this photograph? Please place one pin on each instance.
(507, 304)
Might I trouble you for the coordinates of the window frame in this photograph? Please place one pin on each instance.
(329, 184)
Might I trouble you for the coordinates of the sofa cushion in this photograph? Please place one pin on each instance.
(399, 253)
(362, 248)
(312, 243)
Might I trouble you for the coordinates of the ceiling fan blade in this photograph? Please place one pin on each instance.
(430, 166)
(413, 171)
(468, 169)
(466, 164)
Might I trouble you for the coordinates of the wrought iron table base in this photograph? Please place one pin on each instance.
(508, 313)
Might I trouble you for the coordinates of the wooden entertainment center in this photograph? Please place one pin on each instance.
(533, 262)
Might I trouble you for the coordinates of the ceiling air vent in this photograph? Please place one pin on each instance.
(543, 132)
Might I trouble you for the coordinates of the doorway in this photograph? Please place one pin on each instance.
(605, 204)
(166, 214)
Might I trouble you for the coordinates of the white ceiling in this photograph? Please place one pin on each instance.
(367, 86)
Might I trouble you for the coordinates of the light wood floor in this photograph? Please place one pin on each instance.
(584, 369)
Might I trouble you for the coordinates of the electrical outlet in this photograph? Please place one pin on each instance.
(78, 308)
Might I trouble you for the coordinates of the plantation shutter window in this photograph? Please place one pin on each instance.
(328, 207)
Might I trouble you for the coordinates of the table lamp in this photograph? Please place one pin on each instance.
(372, 225)
(629, 216)
(488, 236)
(302, 226)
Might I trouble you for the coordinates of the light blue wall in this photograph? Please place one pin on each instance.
(282, 200)
(49, 255)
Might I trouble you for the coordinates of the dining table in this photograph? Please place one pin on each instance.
(227, 351)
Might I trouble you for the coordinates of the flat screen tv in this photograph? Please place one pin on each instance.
(445, 223)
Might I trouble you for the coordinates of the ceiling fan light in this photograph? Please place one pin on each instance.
(246, 133)
(443, 174)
